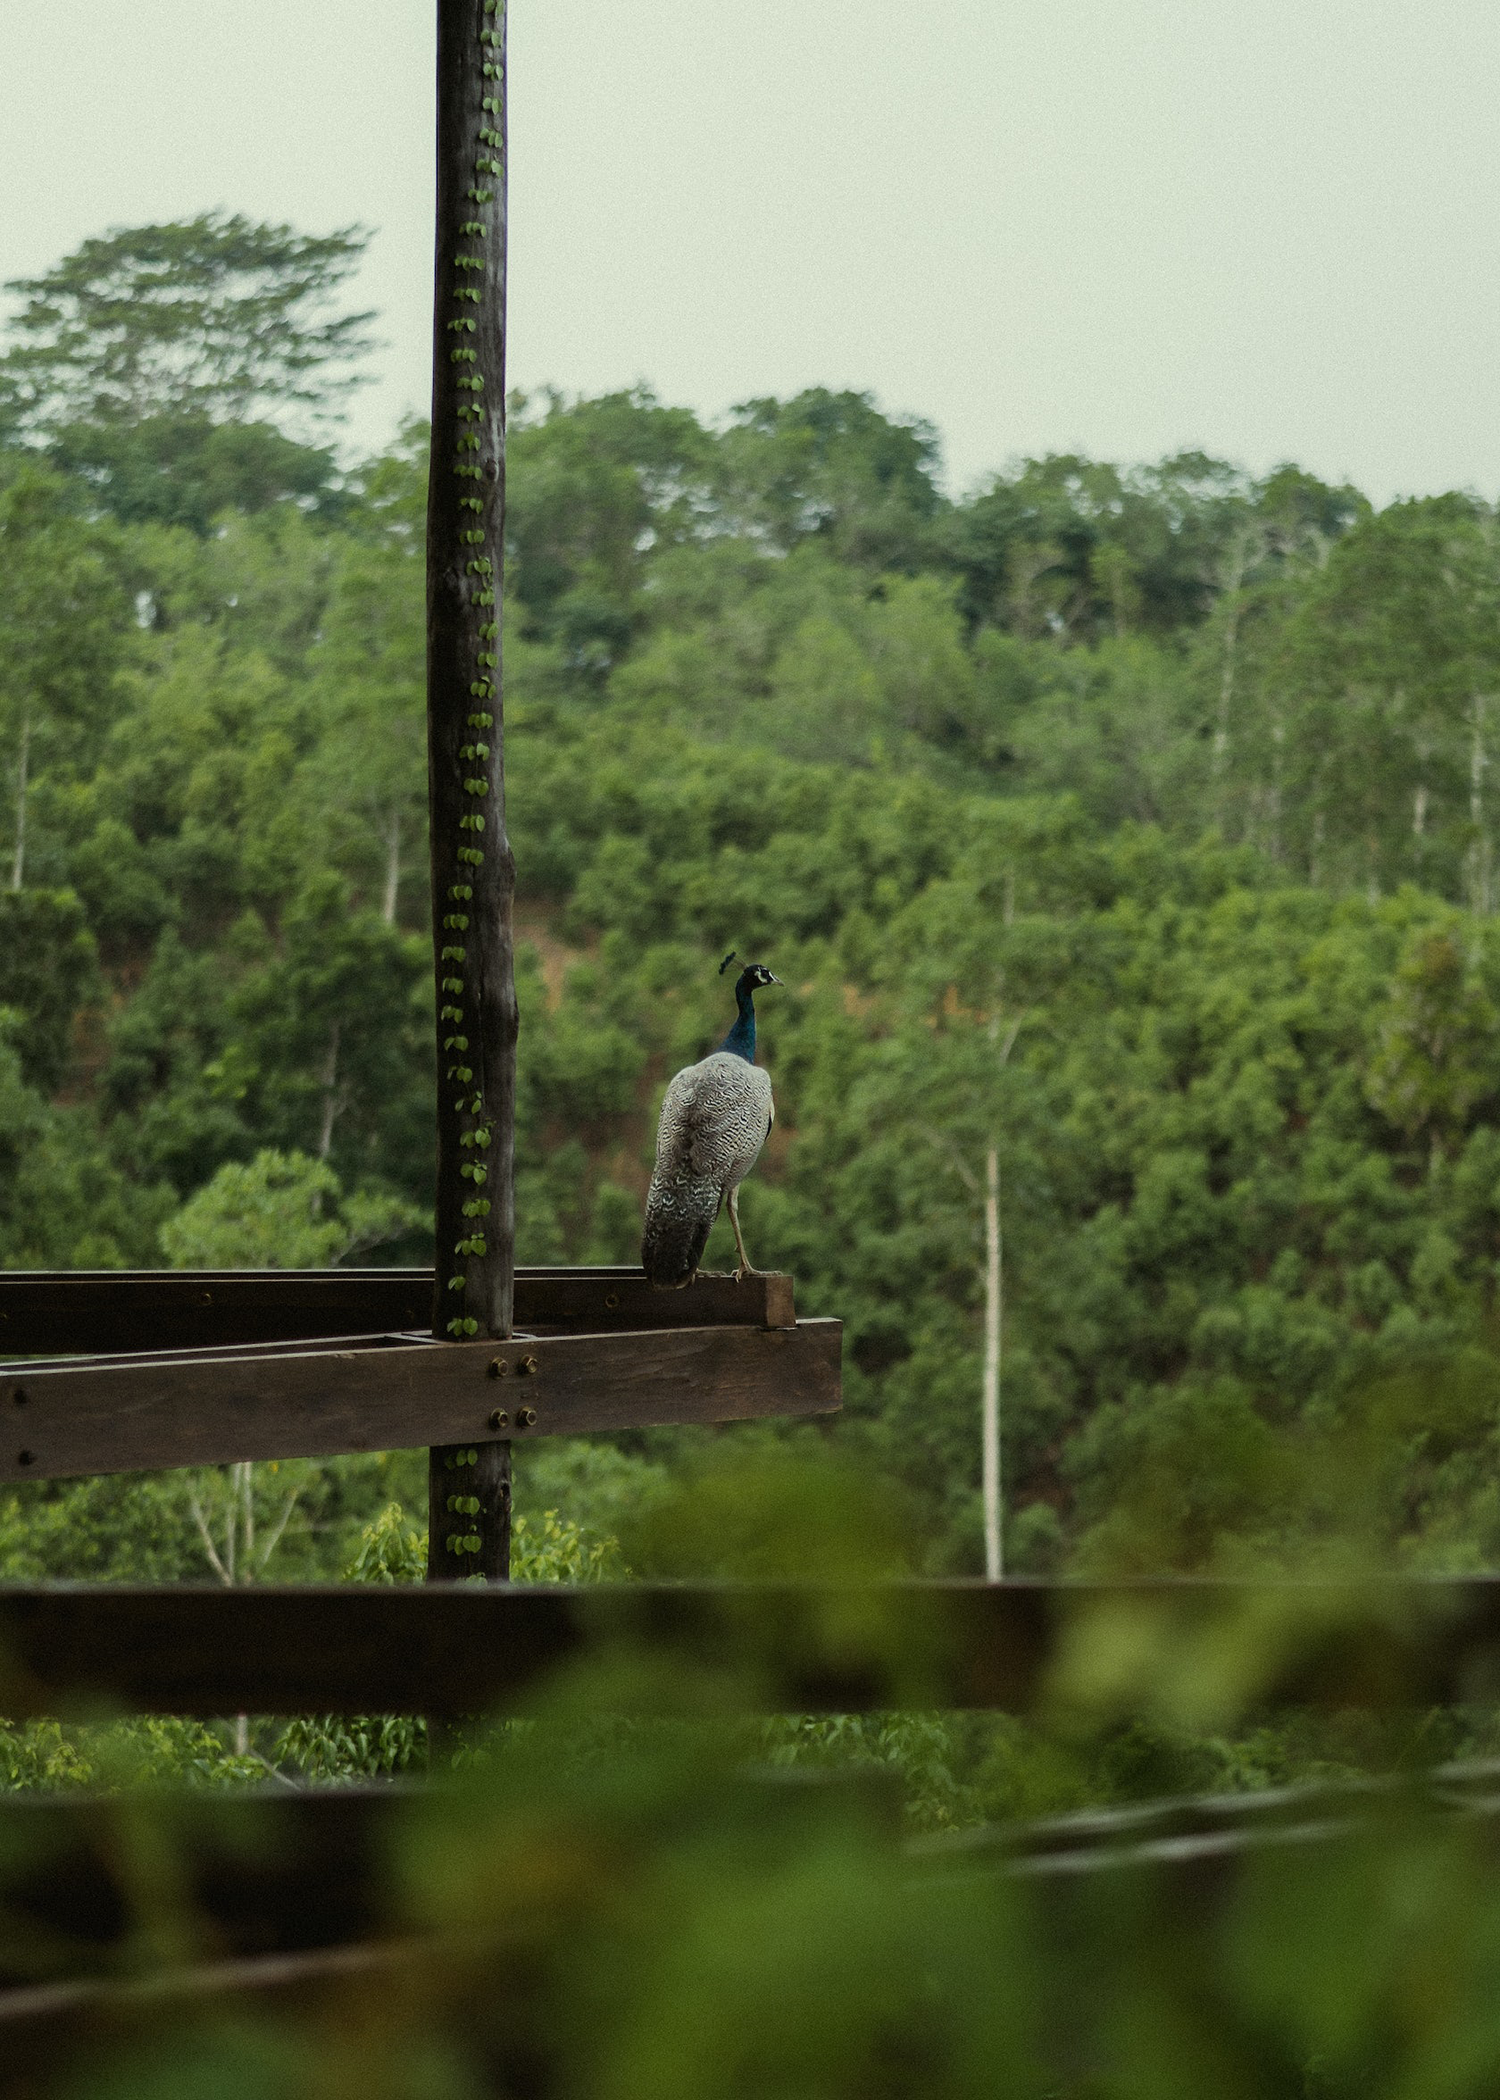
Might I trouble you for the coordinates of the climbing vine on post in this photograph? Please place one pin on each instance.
(473, 871)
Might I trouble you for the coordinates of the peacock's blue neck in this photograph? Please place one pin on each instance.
(740, 1041)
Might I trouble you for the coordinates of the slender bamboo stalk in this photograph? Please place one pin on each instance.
(473, 871)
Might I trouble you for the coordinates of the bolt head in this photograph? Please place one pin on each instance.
(499, 1419)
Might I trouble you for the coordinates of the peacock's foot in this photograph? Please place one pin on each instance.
(744, 1272)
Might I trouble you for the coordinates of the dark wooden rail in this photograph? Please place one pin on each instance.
(1013, 1646)
(55, 1312)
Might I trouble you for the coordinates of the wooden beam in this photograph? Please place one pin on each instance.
(280, 1868)
(57, 1312)
(387, 1393)
(275, 1869)
(841, 1648)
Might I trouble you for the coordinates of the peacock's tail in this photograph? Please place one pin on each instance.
(679, 1217)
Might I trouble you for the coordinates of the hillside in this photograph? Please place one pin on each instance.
(1177, 783)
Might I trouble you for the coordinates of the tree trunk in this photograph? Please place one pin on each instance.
(330, 1083)
(392, 870)
(994, 1558)
(18, 863)
(1226, 686)
(473, 872)
(1232, 583)
(1479, 851)
(245, 1476)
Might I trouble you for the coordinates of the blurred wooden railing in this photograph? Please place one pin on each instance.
(768, 1646)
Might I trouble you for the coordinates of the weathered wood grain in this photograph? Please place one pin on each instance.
(52, 1312)
(390, 1394)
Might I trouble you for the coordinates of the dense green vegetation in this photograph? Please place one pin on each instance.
(1137, 821)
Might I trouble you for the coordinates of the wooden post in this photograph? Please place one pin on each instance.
(473, 871)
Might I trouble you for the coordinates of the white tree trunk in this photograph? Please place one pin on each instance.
(392, 869)
(1231, 583)
(18, 864)
(994, 1557)
(1479, 876)
(1220, 758)
(1273, 801)
(331, 1102)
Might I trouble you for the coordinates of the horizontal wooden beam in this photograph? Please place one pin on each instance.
(281, 1869)
(384, 1393)
(756, 1646)
(76, 1312)
(267, 1868)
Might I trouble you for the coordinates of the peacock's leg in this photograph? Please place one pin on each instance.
(744, 1268)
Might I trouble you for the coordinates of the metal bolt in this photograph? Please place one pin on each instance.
(526, 1417)
(499, 1419)
(499, 1368)
(611, 1299)
(527, 1365)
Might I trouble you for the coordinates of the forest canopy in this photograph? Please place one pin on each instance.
(1177, 780)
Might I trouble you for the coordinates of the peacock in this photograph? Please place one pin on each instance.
(716, 1116)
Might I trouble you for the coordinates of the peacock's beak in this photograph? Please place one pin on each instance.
(774, 979)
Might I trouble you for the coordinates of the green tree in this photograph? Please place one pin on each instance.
(832, 466)
(594, 487)
(366, 778)
(63, 621)
(219, 316)
(152, 360)
(48, 970)
(280, 1210)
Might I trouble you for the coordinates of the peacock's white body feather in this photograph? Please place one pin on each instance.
(714, 1119)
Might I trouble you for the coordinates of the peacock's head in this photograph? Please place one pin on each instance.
(751, 978)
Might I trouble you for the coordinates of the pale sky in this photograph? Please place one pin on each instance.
(1270, 228)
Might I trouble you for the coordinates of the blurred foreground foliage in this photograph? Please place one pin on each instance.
(708, 1905)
